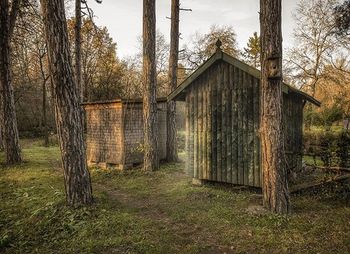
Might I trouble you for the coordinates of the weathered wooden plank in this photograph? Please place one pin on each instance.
(201, 138)
(193, 77)
(250, 115)
(240, 127)
(209, 133)
(195, 130)
(234, 77)
(300, 133)
(205, 127)
(191, 137)
(219, 122)
(256, 109)
(199, 126)
(319, 184)
(214, 123)
(223, 123)
(229, 124)
(285, 115)
(294, 136)
(246, 78)
(187, 147)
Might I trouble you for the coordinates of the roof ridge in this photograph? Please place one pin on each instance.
(221, 55)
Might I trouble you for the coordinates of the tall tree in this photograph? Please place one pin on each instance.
(77, 45)
(2, 135)
(45, 78)
(342, 18)
(162, 65)
(203, 46)
(149, 80)
(9, 121)
(251, 53)
(101, 70)
(315, 43)
(30, 72)
(171, 142)
(275, 184)
(67, 105)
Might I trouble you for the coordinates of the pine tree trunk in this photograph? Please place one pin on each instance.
(2, 135)
(275, 185)
(67, 105)
(77, 30)
(77, 67)
(2, 123)
(44, 120)
(44, 127)
(151, 160)
(12, 148)
(171, 142)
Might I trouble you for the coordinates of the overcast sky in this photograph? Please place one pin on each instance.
(123, 18)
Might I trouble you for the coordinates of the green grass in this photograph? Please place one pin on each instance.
(157, 212)
(310, 160)
(334, 129)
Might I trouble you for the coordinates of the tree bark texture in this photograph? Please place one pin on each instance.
(2, 134)
(67, 105)
(171, 142)
(45, 129)
(275, 185)
(77, 30)
(9, 120)
(151, 159)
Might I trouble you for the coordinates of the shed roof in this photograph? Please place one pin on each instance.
(180, 91)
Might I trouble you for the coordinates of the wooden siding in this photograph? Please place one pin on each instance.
(104, 133)
(293, 122)
(115, 132)
(134, 135)
(223, 119)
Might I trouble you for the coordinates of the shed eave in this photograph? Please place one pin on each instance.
(176, 94)
(306, 96)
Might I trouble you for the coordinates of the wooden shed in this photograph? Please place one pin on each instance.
(222, 121)
(115, 132)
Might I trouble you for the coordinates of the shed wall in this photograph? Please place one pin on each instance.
(134, 134)
(223, 118)
(293, 129)
(104, 133)
(115, 133)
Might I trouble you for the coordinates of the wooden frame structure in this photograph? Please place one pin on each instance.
(223, 118)
(115, 133)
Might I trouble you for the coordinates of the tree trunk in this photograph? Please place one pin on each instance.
(7, 20)
(78, 75)
(44, 120)
(171, 142)
(2, 135)
(67, 105)
(77, 30)
(44, 127)
(275, 185)
(151, 160)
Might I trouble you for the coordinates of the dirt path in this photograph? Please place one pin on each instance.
(151, 208)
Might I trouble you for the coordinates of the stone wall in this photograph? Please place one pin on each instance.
(104, 133)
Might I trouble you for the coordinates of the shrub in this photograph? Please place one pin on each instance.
(332, 148)
(343, 150)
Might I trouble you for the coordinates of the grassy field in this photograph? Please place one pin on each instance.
(158, 212)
